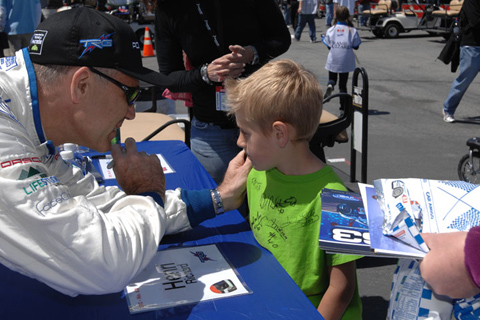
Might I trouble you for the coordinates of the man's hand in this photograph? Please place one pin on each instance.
(234, 185)
(443, 268)
(231, 64)
(137, 172)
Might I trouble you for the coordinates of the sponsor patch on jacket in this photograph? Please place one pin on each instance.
(7, 63)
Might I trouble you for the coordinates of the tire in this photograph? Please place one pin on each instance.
(464, 172)
(140, 33)
(392, 30)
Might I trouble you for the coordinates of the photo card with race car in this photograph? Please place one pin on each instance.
(180, 277)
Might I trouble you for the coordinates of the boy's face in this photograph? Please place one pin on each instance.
(260, 148)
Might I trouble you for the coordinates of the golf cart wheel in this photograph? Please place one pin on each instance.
(470, 172)
(392, 30)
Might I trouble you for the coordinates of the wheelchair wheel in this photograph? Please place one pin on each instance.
(470, 172)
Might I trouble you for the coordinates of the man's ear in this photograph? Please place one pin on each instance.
(282, 133)
(81, 84)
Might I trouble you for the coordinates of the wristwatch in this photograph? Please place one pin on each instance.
(217, 201)
(204, 73)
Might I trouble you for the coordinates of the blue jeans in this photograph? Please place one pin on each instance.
(303, 19)
(329, 14)
(214, 147)
(287, 14)
(469, 67)
(362, 7)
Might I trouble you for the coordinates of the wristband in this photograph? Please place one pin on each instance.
(204, 73)
(217, 201)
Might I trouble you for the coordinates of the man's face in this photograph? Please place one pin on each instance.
(107, 111)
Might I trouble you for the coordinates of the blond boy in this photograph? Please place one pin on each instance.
(277, 110)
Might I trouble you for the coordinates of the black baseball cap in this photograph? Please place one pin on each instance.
(87, 37)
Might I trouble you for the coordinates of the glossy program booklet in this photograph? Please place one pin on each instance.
(347, 222)
(183, 276)
(344, 227)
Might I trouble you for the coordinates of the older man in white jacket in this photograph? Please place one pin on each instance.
(77, 82)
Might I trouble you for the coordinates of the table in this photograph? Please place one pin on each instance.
(275, 295)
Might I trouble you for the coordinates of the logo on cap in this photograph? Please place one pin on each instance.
(36, 42)
(102, 42)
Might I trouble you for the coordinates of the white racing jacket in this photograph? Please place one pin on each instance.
(59, 226)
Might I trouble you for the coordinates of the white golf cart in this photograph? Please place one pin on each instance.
(385, 21)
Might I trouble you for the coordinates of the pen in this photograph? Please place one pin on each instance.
(115, 140)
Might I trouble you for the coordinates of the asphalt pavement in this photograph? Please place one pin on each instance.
(407, 137)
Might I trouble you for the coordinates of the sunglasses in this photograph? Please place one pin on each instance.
(131, 93)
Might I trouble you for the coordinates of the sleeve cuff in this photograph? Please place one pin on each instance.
(155, 197)
(199, 205)
(472, 258)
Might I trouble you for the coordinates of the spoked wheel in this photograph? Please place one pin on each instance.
(470, 171)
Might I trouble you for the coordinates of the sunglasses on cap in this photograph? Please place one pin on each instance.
(131, 93)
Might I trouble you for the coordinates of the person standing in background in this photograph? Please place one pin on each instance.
(18, 19)
(329, 10)
(363, 5)
(469, 19)
(341, 40)
(307, 12)
(221, 39)
(350, 4)
(287, 15)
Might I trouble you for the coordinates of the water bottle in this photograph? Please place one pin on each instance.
(72, 154)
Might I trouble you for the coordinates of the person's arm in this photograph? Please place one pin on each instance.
(139, 173)
(471, 10)
(300, 3)
(170, 56)
(339, 292)
(444, 266)
(276, 39)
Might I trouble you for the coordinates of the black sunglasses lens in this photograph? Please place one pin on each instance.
(133, 95)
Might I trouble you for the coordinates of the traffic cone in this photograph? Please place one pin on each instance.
(147, 44)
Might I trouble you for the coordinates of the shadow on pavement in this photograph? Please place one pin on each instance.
(374, 308)
(370, 262)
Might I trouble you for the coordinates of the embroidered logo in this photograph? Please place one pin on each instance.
(102, 42)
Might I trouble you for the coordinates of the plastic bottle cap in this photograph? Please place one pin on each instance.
(66, 155)
(69, 146)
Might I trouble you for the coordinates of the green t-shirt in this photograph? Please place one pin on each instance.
(285, 214)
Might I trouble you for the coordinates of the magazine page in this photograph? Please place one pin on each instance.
(446, 205)
(379, 242)
(343, 227)
(182, 276)
(402, 218)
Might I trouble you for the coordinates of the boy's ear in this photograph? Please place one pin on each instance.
(282, 133)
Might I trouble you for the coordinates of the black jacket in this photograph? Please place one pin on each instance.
(178, 26)
(470, 23)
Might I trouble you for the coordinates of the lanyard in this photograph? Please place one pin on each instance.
(209, 28)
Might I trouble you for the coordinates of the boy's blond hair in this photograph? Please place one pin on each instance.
(282, 90)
